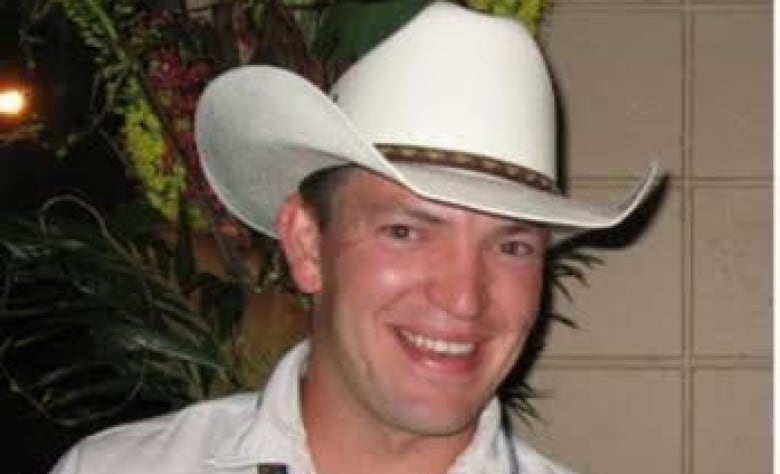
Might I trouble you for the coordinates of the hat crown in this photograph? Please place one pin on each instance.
(458, 80)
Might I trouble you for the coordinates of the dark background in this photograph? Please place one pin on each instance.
(31, 173)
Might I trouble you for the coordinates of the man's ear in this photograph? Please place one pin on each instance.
(299, 236)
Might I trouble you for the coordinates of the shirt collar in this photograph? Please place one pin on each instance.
(489, 448)
(274, 434)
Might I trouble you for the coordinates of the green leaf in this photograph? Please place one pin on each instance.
(134, 219)
(351, 28)
(570, 271)
(180, 314)
(121, 387)
(145, 337)
(230, 304)
(566, 321)
(589, 260)
(65, 374)
(185, 255)
(35, 337)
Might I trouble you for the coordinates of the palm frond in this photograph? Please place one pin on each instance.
(150, 325)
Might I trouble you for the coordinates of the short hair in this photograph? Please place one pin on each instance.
(318, 189)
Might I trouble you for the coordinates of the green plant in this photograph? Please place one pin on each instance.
(129, 314)
(529, 12)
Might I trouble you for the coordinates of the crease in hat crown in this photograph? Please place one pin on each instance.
(451, 79)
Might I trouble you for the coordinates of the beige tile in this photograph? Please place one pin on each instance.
(732, 422)
(610, 421)
(619, 73)
(732, 93)
(633, 302)
(559, 3)
(737, 3)
(732, 287)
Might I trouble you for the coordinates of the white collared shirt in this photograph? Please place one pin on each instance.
(233, 435)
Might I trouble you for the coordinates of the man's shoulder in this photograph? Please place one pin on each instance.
(192, 420)
(533, 462)
(164, 443)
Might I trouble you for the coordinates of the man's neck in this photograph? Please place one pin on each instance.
(343, 440)
(344, 451)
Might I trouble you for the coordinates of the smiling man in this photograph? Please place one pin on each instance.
(415, 204)
(421, 309)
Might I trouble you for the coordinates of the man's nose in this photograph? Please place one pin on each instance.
(459, 282)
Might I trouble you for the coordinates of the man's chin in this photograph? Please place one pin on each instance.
(430, 423)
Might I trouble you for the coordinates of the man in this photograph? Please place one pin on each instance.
(426, 199)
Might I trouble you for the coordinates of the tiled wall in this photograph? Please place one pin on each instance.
(669, 371)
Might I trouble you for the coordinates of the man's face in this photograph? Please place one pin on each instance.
(421, 308)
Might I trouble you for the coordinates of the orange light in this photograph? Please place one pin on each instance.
(12, 102)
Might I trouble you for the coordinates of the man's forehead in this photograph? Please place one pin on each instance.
(379, 194)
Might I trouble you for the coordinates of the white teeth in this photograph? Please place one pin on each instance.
(438, 346)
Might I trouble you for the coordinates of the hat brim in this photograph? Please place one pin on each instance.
(260, 130)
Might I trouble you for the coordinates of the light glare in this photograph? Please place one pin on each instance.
(12, 102)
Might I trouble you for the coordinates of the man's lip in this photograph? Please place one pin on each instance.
(447, 345)
(460, 335)
(441, 362)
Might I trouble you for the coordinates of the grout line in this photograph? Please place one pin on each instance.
(731, 181)
(639, 5)
(688, 387)
(689, 421)
(734, 183)
(655, 362)
(650, 358)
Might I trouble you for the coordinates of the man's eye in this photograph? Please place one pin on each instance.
(516, 248)
(399, 231)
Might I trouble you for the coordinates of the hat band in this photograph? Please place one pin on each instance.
(468, 161)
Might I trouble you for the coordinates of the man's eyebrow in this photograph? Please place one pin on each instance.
(407, 210)
(518, 226)
(423, 215)
(510, 227)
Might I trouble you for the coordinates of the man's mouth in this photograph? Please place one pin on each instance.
(438, 346)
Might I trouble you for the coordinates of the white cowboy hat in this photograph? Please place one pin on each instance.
(456, 105)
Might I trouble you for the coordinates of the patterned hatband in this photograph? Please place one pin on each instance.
(468, 161)
(271, 468)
